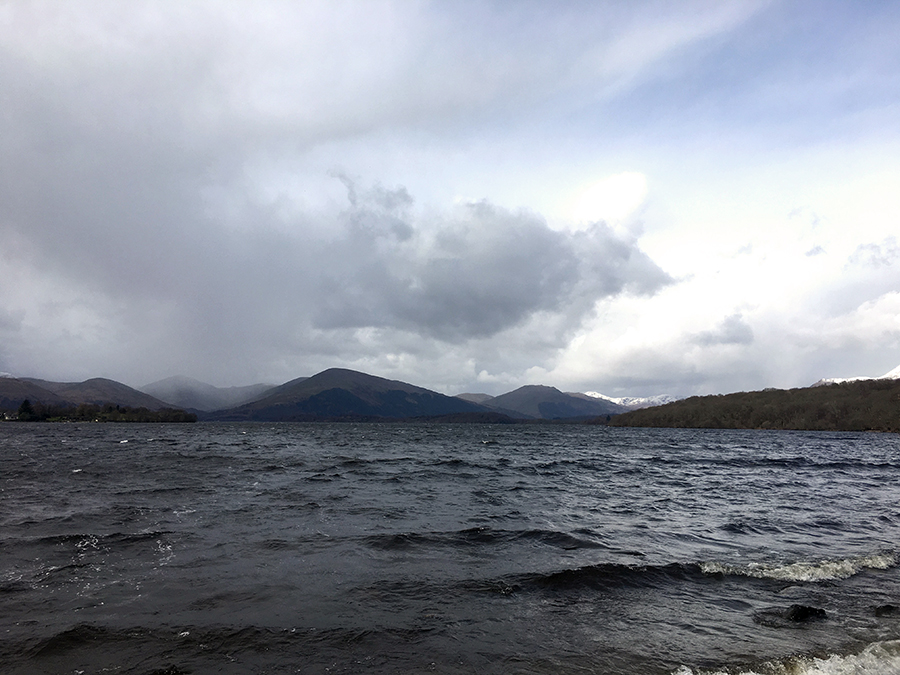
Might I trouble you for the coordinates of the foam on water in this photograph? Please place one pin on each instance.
(879, 658)
(823, 570)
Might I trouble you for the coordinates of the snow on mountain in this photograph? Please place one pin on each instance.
(893, 375)
(635, 402)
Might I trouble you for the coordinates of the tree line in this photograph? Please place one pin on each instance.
(868, 405)
(92, 412)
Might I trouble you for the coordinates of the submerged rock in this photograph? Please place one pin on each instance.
(789, 617)
(804, 613)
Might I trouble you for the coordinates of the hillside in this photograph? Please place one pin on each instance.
(542, 402)
(868, 405)
(13, 391)
(338, 393)
(99, 390)
(96, 400)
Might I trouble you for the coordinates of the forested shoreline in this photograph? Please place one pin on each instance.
(92, 412)
(867, 405)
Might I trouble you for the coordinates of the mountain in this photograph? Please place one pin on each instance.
(338, 393)
(863, 405)
(632, 402)
(542, 402)
(100, 390)
(14, 390)
(186, 392)
(893, 375)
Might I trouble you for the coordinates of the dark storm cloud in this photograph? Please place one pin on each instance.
(473, 273)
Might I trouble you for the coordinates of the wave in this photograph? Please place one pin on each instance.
(822, 570)
(86, 540)
(878, 658)
(200, 647)
(751, 527)
(480, 536)
(779, 462)
(610, 575)
(603, 576)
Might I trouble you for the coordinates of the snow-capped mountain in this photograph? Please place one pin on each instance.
(635, 402)
(893, 375)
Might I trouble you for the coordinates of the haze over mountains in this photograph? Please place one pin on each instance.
(186, 392)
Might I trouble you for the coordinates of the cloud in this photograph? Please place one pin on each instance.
(469, 274)
(733, 330)
(241, 193)
(274, 287)
(876, 255)
(138, 168)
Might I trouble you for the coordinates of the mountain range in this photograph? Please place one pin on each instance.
(633, 402)
(341, 394)
(335, 393)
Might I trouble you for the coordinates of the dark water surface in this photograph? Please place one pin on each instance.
(250, 548)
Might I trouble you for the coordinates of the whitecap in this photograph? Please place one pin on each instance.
(879, 658)
(822, 570)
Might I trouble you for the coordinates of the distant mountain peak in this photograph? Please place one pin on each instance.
(543, 402)
(340, 393)
(635, 402)
(892, 375)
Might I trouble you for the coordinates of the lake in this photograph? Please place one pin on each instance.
(404, 548)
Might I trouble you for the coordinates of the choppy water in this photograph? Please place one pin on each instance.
(241, 548)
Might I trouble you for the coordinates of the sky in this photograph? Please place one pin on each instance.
(633, 198)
